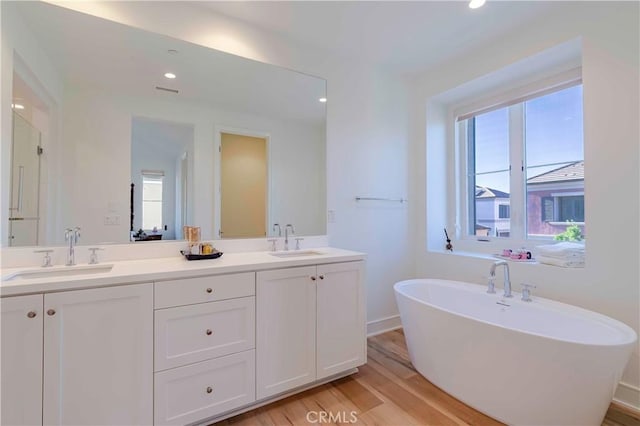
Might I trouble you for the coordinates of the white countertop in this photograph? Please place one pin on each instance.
(168, 268)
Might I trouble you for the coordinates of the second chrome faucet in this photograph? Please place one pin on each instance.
(507, 280)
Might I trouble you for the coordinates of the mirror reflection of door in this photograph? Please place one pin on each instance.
(24, 212)
(243, 186)
(160, 154)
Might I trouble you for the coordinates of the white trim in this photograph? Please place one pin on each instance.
(628, 395)
(567, 194)
(217, 140)
(564, 80)
(517, 165)
(383, 325)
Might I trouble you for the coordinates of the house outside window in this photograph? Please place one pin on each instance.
(526, 159)
(503, 211)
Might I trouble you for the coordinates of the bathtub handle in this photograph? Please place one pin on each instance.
(526, 292)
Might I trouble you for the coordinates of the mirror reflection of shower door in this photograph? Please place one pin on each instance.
(25, 184)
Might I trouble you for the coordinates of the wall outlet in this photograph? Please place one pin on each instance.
(112, 220)
(331, 216)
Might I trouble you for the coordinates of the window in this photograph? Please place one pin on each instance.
(524, 164)
(503, 211)
(569, 208)
(152, 199)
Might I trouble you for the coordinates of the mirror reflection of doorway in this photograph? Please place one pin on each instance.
(160, 155)
(243, 186)
(24, 215)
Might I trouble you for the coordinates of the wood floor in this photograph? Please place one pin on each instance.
(386, 391)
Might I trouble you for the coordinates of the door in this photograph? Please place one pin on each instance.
(21, 349)
(285, 329)
(25, 184)
(341, 329)
(98, 356)
(243, 186)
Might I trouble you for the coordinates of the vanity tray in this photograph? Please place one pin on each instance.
(189, 256)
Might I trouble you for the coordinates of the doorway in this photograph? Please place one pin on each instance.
(161, 152)
(243, 185)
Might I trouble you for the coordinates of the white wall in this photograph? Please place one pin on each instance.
(610, 283)
(367, 139)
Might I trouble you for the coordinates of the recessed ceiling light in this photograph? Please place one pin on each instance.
(474, 4)
(170, 75)
(323, 100)
(17, 106)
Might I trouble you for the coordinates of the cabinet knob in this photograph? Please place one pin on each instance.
(209, 389)
(31, 314)
(51, 312)
(209, 290)
(313, 278)
(209, 332)
(321, 277)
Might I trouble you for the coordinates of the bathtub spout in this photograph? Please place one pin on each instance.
(507, 281)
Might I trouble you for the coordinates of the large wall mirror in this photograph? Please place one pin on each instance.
(118, 130)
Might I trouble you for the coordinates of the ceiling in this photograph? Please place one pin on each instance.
(397, 35)
(93, 52)
(171, 139)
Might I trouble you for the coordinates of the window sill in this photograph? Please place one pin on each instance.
(495, 257)
(484, 256)
(565, 223)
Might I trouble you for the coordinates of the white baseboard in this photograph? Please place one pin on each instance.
(628, 395)
(383, 325)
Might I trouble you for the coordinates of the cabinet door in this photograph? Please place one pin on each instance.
(98, 356)
(341, 318)
(285, 329)
(21, 348)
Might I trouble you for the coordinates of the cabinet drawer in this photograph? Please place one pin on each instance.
(204, 289)
(189, 334)
(195, 392)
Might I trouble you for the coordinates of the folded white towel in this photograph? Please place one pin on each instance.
(562, 250)
(563, 255)
(561, 262)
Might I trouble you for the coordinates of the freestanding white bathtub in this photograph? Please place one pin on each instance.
(523, 363)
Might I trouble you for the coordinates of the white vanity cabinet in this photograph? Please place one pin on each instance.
(310, 324)
(81, 357)
(193, 344)
(21, 333)
(204, 347)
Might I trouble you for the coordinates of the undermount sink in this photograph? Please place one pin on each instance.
(66, 271)
(295, 253)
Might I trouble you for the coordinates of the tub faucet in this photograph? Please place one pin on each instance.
(71, 235)
(507, 281)
(286, 235)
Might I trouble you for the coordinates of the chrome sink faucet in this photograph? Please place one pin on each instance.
(507, 281)
(71, 235)
(286, 235)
